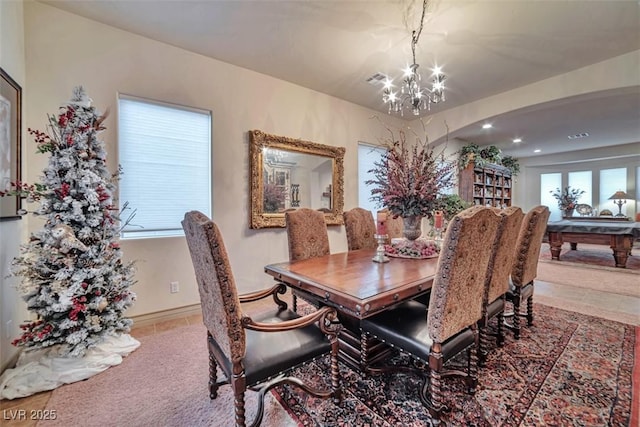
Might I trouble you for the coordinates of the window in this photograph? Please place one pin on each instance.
(612, 180)
(582, 181)
(164, 151)
(548, 184)
(367, 156)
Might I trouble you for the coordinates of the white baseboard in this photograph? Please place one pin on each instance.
(164, 315)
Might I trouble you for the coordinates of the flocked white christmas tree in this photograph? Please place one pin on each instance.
(72, 273)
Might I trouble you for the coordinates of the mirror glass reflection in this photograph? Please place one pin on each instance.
(293, 180)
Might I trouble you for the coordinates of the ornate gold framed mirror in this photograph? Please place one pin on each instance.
(289, 173)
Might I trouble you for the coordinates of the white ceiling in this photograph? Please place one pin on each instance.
(485, 47)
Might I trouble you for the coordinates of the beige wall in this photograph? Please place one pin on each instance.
(65, 50)
(527, 187)
(12, 310)
(107, 61)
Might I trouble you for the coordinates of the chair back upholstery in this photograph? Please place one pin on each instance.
(525, 265)
(394, 225)
(459, 285)
(221, 311)
(505, 252)
(360, 228)
(307, 234)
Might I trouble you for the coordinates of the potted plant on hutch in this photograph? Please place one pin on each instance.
(408, 180)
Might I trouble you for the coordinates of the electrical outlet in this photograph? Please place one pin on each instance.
(8, 332)
(175, 287)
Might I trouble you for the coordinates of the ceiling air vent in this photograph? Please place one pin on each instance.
(579, 135)
(376, 78)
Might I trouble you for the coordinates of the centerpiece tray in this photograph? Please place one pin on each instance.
(415, 249)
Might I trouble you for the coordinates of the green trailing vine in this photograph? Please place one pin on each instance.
(483, 156)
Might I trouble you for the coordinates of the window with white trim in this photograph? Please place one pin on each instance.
(549, 182)
(367, 156)
(165, 154)
(612, 180)
(582, 180)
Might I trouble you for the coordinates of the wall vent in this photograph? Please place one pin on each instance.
(376, 78)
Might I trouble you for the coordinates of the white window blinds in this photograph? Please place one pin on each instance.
(165, 154)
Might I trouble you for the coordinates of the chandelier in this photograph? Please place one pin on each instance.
(412, 95)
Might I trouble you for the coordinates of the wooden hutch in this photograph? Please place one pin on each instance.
(490, 185)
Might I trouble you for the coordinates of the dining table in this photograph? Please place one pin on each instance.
(357, 287)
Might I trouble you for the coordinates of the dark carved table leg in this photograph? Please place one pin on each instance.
(555, 244)
(621, 246)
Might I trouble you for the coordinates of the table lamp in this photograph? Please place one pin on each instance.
(619, 198)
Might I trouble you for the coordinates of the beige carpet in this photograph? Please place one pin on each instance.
(608, 292)
(163, 391)
(620, 281)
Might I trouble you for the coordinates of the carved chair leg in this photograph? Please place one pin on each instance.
(433, 398)
(483, 345)
(500, 337)
(336, 391)
(516, 318)
(530, 310)
(213, 377)
(239, 408)
(472, 371)
(436, 407)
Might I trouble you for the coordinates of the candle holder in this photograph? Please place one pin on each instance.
(380, 256)
(438, 237)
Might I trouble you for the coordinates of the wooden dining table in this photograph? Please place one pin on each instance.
(358, 288)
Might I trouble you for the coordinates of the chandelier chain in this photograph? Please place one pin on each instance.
(415, 35)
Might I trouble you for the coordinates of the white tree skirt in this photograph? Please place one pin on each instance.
(45, 369)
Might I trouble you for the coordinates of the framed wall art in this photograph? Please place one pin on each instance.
(10, 143)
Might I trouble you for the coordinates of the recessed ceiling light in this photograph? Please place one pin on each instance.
(487, 126)
(516, 140)
(579, 135)
(537, 150)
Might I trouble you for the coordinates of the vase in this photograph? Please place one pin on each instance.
(412, 227)
(568, 212)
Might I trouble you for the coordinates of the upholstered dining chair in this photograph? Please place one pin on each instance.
(394, 225)
(498, 281)
(360, 228)
(436, 334)
(307, 236)
(525, 265)
(254, 352)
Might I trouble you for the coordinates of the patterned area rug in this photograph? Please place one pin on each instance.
(569, 369)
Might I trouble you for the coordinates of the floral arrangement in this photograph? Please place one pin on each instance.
(273, 197)
(419, 248)
(409, 179)
(567, 198)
